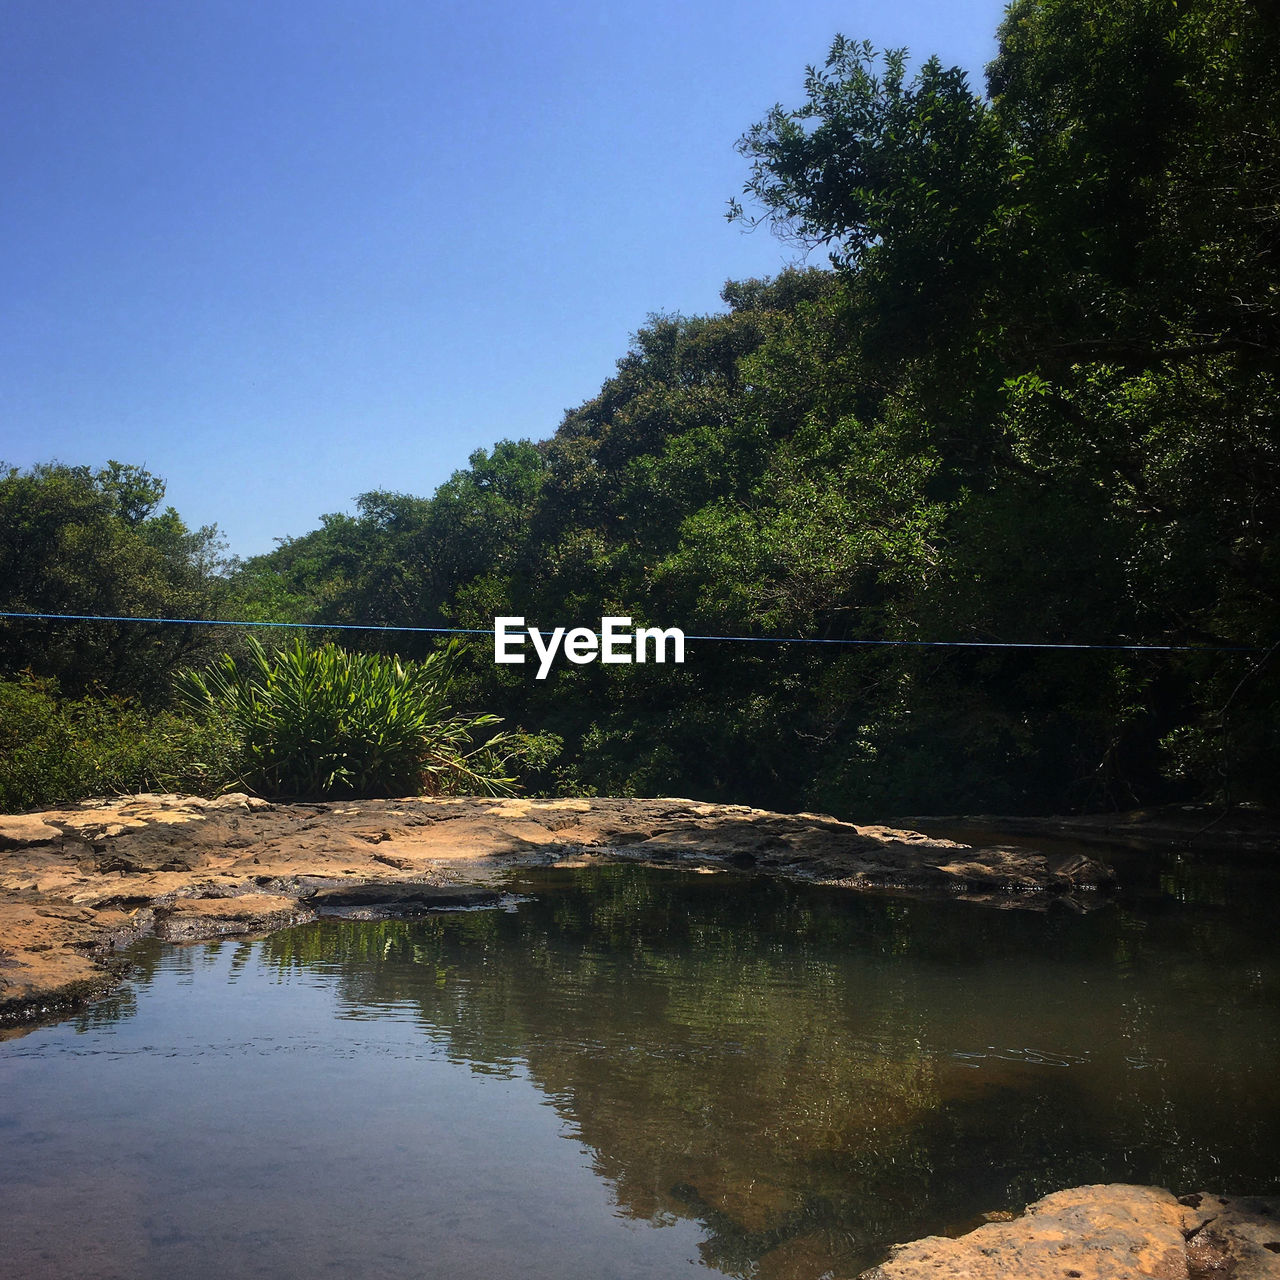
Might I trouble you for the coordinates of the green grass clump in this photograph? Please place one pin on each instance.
(316, 722)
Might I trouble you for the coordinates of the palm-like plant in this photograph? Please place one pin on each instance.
(321, 721)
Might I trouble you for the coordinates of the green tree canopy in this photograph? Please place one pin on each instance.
(77, 541)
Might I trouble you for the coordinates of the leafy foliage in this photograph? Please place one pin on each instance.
(314, 722)
(55, 750)
(77, 541)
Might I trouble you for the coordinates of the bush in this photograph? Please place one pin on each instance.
(320, 722)
(56, 750)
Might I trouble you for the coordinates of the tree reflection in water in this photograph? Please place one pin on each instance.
(813, 1074)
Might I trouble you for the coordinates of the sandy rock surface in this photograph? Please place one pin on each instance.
(77, 882)
(1111, 1232)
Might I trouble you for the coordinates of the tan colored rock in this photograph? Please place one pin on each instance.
(45, 965)
(19, 830)
(215, 917)
(1107, 1232)
(1233, 1237)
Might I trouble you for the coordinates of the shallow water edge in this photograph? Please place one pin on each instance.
(636, 1071)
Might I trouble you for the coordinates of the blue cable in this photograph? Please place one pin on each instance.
(222, 622)
(478, 631)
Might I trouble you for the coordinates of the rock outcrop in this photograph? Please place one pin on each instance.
(1111, 1232)
(77, 882)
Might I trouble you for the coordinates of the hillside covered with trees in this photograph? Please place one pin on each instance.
(1032, 400)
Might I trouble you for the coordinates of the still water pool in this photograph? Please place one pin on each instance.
(641, 1073)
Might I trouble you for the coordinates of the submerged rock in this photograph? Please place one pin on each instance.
(399, 899)
(1107, 1232)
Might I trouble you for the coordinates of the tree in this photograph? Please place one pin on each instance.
(1072, 287)
(76, 541)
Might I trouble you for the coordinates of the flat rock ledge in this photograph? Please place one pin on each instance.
(1239, 829)
(78, 883)
(1109, 1232)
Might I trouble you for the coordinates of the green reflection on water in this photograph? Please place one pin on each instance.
(814, 1074)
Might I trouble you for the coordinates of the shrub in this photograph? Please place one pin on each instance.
(56, 750)
(317, 722)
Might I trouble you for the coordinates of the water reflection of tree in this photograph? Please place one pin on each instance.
(779, 1062)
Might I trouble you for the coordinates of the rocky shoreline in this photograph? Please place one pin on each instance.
(78, 883)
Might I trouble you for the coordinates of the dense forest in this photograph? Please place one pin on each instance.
(1031, 399)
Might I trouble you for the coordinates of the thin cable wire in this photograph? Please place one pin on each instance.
(223, 622)
(480, 631)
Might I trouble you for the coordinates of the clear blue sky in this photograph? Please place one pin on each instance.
(282, 253)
